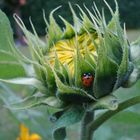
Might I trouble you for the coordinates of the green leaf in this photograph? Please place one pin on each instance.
(6, 33)
(27, 81)
(9, 65)
(60, 134)
(71, 116)
(33, 118)
(35, 100)
(26, 103)
(10, 69)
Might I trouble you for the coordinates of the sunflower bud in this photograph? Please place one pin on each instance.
(82, 63)
(89, 59)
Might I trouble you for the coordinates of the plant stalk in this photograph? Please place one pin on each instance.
(87, 119)
(107, 115)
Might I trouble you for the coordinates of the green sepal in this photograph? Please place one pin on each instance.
(68, 74)
(124, 69)
(50, 79)
(53, 101)
(108, 102)
(77, 67)
(113, 47)
(76, 20)
(60, 70)
(70, 94)
(87, 67)
(90, 59)
(35, 47)
(87, 25)
(65, 74)
(69, 30)
(112, 23)
(54, 31)
(88, 63)
(106, 72)
(71, 116)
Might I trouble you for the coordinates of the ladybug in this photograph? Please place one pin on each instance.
(87, 79)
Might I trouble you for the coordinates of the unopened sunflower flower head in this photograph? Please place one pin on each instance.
(84, 62)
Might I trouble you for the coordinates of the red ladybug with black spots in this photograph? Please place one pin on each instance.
(87, 79)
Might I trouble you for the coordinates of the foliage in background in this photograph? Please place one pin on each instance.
(129, 11)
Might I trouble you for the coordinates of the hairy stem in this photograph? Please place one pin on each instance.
(87, 119)
(107, 115)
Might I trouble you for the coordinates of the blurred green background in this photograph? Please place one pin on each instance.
(129, 11)
(123, 126)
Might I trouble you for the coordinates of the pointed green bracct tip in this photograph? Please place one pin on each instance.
(69, 30)
(76, 20)
(54, 31)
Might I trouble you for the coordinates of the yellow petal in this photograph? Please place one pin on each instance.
(35, 136)
(24, 133)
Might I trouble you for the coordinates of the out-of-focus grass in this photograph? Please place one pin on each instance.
(114, 129)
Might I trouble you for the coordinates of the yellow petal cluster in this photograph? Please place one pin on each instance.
(66, 49)
(25, 134)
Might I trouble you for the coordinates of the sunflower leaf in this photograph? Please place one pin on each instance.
(27, 81)
(26, 103)
(9, 65)
(71, 116)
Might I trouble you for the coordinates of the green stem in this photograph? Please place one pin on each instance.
(107, 115)
(87, 119)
